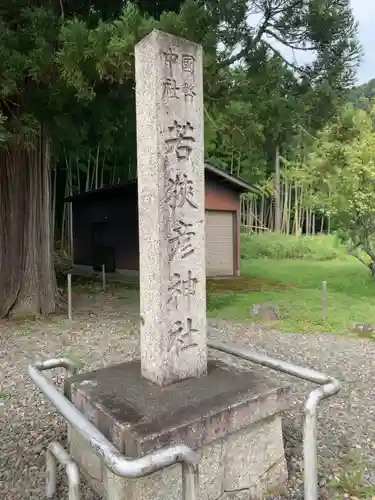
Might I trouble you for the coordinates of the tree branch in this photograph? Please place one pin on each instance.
(363, 261)
(270, 12)
(267, 17)
(290, 64)
(211, 119)
(370, 253)
(62, 11)
(287, 44)
(351, 250)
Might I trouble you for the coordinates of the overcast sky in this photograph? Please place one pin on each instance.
(364, 12)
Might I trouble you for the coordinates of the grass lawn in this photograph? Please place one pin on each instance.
(295, 287)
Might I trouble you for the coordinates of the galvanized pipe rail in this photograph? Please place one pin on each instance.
(112, 458)
(57, 454)
(124, 467)
(329, 386)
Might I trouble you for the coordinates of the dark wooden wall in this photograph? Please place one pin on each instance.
(120, 211)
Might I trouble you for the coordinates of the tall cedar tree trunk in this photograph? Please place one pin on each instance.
(27, 277)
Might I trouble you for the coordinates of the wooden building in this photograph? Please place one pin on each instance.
(105, 226)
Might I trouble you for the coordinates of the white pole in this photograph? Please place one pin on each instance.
(70, 296)
(324, 299)
(103, 275)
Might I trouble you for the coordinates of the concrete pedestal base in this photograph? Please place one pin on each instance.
(232, 417)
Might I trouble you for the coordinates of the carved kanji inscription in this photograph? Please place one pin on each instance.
(188, 63)
(181, 335)
(170, 88)
(180, 140)
(180, 241)
(180, 191)
(170, 58)
(188, 91)
(180, 288)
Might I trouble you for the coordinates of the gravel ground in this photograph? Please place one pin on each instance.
(104, 331)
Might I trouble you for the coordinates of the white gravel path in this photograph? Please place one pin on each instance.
(104, 331)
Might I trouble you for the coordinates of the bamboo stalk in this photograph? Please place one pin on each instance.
(277, 192)
(64, 214)
(53, 211)
(78, 175)
(70, 297)
(296, 210)
(301, 214)
(87, 188)
(307, 218)
(269, 216)
(102, 172)
(251, 213)
(272, 219)
(113, 174)
(96, 168)
(289, 207)
(285, 205)
(71, 213)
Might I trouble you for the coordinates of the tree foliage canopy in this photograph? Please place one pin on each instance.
(341, 167)
(362, 96)
(71, 65)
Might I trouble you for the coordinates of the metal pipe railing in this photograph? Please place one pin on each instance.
(56, 453)
(70, 366)
(329, 387)
(125, 467)
(112, 458)
(190, 482)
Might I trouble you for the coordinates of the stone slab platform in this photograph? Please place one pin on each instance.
(138, 416)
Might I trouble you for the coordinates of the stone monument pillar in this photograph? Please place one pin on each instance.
(169, 99)
(174, 395)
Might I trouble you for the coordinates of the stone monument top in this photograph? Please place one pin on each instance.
(169, 105)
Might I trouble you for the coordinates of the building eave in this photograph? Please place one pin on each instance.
(243, 185)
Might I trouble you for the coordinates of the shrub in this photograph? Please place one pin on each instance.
(280, 246)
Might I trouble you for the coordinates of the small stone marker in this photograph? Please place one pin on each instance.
(169, 104)
(267, 312)
(365, 329)
(324, 299)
